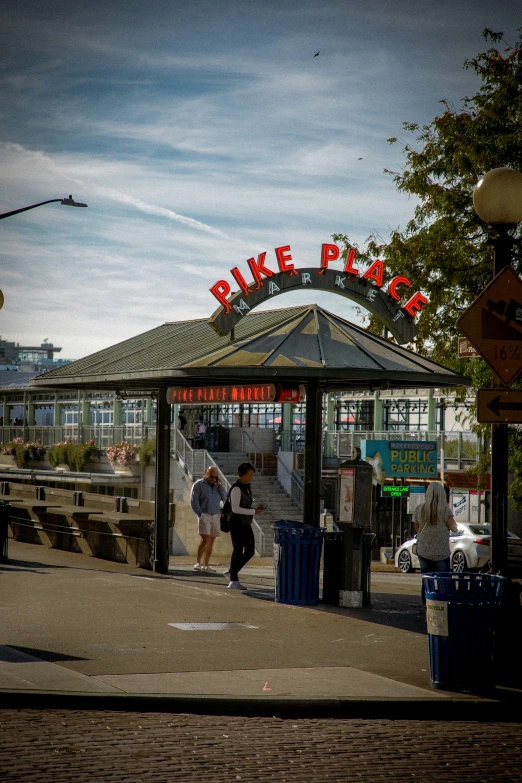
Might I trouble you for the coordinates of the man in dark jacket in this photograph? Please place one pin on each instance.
(241, 524)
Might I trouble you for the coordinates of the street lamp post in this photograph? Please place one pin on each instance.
(497, 199)
(66, 202)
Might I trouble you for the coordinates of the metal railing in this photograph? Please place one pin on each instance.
(294, 481)
(256, 452)
(103, 434)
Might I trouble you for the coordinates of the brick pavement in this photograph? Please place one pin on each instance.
(101, 747)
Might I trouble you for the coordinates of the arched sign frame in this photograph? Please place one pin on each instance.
(360, 290)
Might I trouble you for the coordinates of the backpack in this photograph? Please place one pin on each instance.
(226, 513)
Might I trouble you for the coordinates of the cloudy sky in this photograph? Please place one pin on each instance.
(201, 133)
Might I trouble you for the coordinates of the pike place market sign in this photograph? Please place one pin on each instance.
(364, 288)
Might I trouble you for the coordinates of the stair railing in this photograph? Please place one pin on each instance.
(292, 480)
(252, 441)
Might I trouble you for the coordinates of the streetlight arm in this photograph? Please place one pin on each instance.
(67, 202)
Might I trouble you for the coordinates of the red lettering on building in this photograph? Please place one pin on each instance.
(414, 305)
(258, 268)
(375, 272)
(283, 257)
(392, 288)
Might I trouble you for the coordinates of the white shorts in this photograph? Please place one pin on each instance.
(209, 525)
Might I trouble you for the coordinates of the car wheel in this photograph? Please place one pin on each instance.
(404, 561)
(458, 562)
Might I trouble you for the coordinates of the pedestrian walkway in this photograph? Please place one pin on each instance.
(75, 624)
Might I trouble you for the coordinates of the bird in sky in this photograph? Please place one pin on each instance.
(360, 158)
(317, 53)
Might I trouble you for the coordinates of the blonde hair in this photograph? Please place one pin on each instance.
(433, 510)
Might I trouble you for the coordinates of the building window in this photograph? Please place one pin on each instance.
(355, 415)
(253, 415)
(405, 415)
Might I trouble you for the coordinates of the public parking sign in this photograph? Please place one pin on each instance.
(498, 406)
(493, 324)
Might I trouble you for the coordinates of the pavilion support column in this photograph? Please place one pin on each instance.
(161, 507)
(313, 453)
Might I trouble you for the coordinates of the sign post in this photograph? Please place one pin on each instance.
(493, 324)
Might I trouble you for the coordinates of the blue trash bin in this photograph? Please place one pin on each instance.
(297, 560)
(462, 614)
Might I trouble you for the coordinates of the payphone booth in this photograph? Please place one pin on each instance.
(349, 556)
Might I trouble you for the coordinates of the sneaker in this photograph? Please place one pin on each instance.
(197, 567)
(208, 569)
(227, 574)
(236, 586)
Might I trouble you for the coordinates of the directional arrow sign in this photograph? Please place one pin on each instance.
(499, 406)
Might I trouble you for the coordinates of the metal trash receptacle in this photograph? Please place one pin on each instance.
(297, 561)
(462, 611)
(368, 540)
(4, 531)
(332, 566)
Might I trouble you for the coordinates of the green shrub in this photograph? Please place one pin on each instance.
(57, 453)
(75, 455)
(24, 452)
(147, 450)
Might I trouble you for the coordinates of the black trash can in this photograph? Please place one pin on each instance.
(332, 566)
(462, 611)
(346, 567)
(4, 531)
(297, 551)
(351, 592)
(368, 540)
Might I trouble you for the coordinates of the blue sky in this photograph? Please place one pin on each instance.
(202, 133)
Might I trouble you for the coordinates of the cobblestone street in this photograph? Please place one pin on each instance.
(96, 747)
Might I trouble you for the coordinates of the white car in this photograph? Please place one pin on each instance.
(469, 549)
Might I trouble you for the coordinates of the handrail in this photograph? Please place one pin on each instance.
(243, 433)
(296, 483)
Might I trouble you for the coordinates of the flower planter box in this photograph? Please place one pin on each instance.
(8, 461)
(133, 469)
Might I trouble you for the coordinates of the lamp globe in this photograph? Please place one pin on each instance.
(497, 197)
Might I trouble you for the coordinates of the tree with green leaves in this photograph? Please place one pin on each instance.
(445, 248)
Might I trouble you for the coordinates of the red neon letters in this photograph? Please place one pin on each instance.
(259, 269)
(349, 267)
(283, 256)
(251, 392)
(238, 277)
(375, 272)
(392, 288)
(221, 290)
(329, 252)
(414, 305)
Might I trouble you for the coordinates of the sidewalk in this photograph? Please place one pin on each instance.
(82, 629)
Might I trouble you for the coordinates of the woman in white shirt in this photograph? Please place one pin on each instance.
(433, 522)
